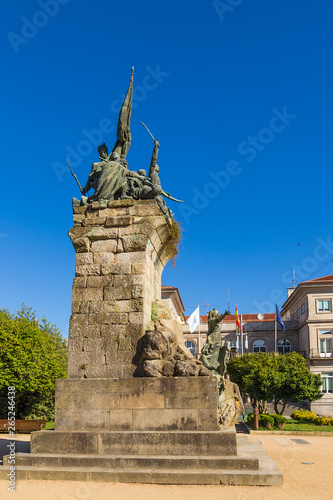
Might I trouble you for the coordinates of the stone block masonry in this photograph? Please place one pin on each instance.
(121, 250)
(137, 404)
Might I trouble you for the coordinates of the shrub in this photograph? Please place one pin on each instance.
(304, 416)
(250, 419)
(266, 421)
(324, 421)
(279, 421)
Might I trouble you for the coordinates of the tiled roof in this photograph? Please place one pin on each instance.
(321, 280)
(249, 318)
(246, 318)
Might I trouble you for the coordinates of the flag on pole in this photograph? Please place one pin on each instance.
(278, 318)
(194, 320)
(238, 324)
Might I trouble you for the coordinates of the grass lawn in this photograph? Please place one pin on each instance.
(296, 426)
(49, 425)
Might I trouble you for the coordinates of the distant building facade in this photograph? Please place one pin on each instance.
(308, 318)
(310, 305)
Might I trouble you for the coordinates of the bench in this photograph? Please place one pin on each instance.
(23, 425)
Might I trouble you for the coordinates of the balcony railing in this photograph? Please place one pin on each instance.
(317, 353)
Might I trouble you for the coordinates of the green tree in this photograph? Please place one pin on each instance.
(274, 377)
(296, 382)
(32, 355)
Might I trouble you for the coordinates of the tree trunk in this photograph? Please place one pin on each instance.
(262, 405)
(284, 406)
(276, 402)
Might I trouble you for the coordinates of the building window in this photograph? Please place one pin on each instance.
(325, 348)
(284, 346)
(323, 306)
(325, 332)
(298, 313)
(234, 345)
(259, 346)
(191, 346)
(303, 308)
(327, 383)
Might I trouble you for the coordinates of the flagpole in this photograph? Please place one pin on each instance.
(199, 346)
(275, 332)
(241, 335)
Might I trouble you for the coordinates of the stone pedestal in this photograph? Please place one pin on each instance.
(111, 425)
(137, 404)
(121, 250)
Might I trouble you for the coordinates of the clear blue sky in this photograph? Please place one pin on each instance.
(241, 102)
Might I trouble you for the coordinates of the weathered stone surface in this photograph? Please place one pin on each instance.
(165, 420)
(158, 368)
(88, 293)
(99, 281)
(101, 233)
(119, 221)
(81, 245)
(134, 243)
(150, 210)
(95, 205)
(132, 258)
(118, 293)
(51, 442)
(116, 268)
(84, 258)
(87, 270)
(77, 232)
(154, 345)
(186, 368)
(97, 221)
(105, 246)
(138, 268)
(118, 271)
(103, 258)
(230, 404)
(79, 210)
(80, 306)
(178, 394)
(80, 282)
(121, 203)
(124, 306)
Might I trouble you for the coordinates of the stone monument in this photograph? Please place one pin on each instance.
(136, 406)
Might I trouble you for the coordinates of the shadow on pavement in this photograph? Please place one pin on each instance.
(20, 446)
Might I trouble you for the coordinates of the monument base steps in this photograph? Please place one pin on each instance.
(251, 466)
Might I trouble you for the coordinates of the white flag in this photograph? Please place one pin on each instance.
(194, 320)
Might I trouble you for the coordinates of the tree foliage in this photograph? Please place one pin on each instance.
(32, 355)
(274, 377)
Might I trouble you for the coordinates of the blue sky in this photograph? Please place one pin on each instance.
(239, 94)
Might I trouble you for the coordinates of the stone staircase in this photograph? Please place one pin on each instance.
(173, 457)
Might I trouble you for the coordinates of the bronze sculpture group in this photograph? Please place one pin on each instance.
(111, 178)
